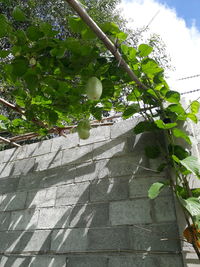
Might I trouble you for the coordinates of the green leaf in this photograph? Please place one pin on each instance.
(130, 110)
(18, 14)
(3, 118)
(181, 134)
(195, 106)
(192, 164)
(3, 126)
(34, 33)
(152, 152)
(76, 24)
(145, 50)
(110, 27)
(4, 53)
(155, 189)
(193, 117)
(175, 158)
(144, 126)
(121, 36)
(192, 205)
(88, 34)
(196, 192)
(165, 126)
(178, 151)
(58, 52)
(3, 26)
(150, 67)
(176, 108)
(133, 96)
(173, 97)
(20, 66)
(46, 28)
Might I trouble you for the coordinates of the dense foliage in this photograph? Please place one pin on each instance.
(47, 77)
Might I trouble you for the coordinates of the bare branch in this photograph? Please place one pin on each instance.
(9, 105)
(9, 142)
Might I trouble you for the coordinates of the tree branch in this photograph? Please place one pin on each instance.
(15, 108)
(9, 142)
(107, 42)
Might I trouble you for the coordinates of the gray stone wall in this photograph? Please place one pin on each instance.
(66, 202)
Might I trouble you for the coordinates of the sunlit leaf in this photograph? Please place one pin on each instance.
(160, 124)
(181, 134)
(192, 164)
(155, 189)
(144, 50)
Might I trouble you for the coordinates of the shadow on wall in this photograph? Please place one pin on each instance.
(92, 211)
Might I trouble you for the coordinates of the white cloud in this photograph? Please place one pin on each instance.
(183, 43)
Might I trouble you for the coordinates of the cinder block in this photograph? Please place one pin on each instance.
(90, 215)
(13, 201)
(130, 212)
(157, 237)
(40, 148)
(9, 154)
(109, 149)
(102, 168)
(56, 217)
(101, 133)
(41, 198)
(24, 220)
(19, 241)
(109, 189)
(58, 176)
(72, 194)
(6, 169)
(125, 165)
(32, 180)
(87, 261)
(4, 220)
(15, 261)
(108, 239)
(134, 261)
(60, 143)
(146, 260)
(2, 156)
(70, 240)
(77, 155)
(8, 185)
(138, 187)
(48, 161)
(23, 167)
(164, 209)
(124, 128)
(86, 171)
(48, 178)
(20, 153)
(48, 261)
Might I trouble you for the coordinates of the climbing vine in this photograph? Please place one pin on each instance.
(47, 76)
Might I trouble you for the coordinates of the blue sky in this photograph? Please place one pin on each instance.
(187, 9)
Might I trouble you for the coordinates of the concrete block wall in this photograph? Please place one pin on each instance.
(66, 202)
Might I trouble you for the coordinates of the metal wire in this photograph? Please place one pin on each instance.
(189, 77)
(192, 91)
